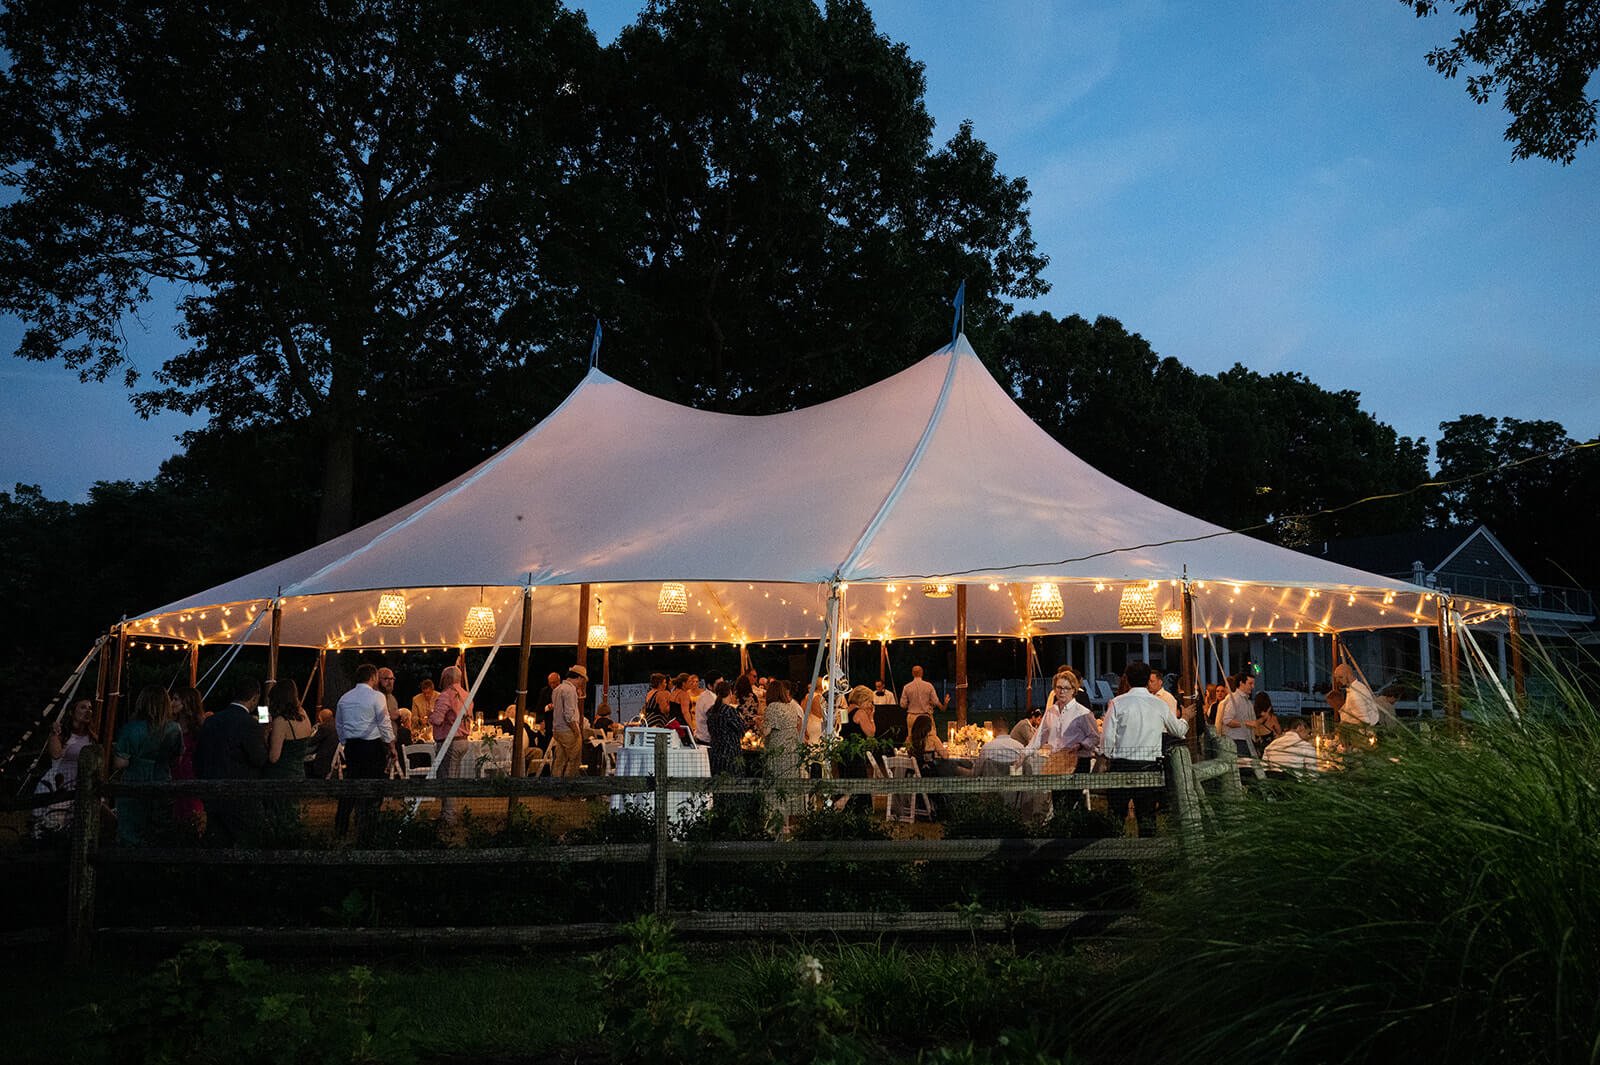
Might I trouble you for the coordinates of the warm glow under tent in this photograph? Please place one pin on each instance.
(934, 474)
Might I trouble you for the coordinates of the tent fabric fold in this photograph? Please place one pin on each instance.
(933, 473)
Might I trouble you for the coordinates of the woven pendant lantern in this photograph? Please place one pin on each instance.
(599, 637)
(1044, 603)
(1172, 624)
(391, 609)
(674, 599)
(938, 591)
(1137, 610)
(479, 624)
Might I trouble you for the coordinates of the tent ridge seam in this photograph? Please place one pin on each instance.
(912, 462)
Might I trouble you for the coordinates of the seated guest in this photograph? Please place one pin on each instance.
(933, 757)
(402, 729)
(422, 704)
(602, 717)
(1294, 751)
(324, 743)
(1023, 730)
(1267, 723)
(1002, 751)
(888, 717)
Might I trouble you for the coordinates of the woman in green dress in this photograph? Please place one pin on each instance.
(146, 748)
(287, 745)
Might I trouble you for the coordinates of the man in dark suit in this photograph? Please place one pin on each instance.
(231, 747)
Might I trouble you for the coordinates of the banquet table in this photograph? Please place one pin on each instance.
(496, 750)
(637, 758)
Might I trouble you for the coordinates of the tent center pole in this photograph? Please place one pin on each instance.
(518, 740)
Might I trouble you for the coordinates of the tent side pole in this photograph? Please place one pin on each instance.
(1187, 686)
(581, 648)
(1448, 661)
(1519, 677)
(961, 654)
(518, 742)
(114, 696)
(272, 648)
(102, 679)
(322, 676)
(883, 661)
(194, 663)
(1027, 674)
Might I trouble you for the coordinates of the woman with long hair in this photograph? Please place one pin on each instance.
(146, 748)
(190, 714)
(287, 743)
(657, 702)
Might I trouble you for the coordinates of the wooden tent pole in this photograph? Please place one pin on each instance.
(1187, 686)
(322, 676)
(194, 663)
(1027, 674)
(581, 653)
(102, 680)
(114, 697)
(272, 649)
(1519, 678)
(518, 766)
(1449, 661)
(961, 654)
(883, 662)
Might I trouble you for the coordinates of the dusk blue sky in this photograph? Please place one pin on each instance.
(1283, 185)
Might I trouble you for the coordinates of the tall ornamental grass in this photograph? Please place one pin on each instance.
(1439, 901)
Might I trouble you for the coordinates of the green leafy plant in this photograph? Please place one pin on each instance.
(663, 1020)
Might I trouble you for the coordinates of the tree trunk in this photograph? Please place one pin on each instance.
(337, 513)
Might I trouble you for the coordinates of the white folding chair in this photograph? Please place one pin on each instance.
(905, 807)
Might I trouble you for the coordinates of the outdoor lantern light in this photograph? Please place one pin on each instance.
(1137, 610)
(479, 624)
(938, 591)
(1172, 624)
(391, 609)
(599, 638)
(674, 599)
(1044, 603)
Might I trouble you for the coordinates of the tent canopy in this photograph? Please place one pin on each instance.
(934, 474)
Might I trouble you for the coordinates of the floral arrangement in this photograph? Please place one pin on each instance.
(751, 742)
(969, 739)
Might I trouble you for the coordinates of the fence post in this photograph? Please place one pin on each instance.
(663, 824)
(1186, 796)
(1232, 787)
(80, 856)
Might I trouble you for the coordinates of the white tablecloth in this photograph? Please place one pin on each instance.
(498, 752)
(640, 761)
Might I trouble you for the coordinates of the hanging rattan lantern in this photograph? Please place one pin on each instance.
(674, 599)
(938, 591)
(1172, 624)
(1044, 603)
(599, 637)
(391, 609)
(1137, 610)
(479, 624)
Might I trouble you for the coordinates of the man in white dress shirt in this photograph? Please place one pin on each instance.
(1132, 740)
(1158, 688)
(1360, 706)
(362, 721)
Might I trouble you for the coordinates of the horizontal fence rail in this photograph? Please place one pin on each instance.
(85, 855)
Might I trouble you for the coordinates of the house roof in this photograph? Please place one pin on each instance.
(1396, 552)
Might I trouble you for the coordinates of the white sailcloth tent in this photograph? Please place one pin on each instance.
(933, 475)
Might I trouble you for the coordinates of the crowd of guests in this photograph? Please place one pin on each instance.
(170, 736)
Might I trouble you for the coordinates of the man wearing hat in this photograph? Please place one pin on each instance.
(566, 724)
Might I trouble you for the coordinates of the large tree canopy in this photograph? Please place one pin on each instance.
(388, 222)
(794, 233)
(1539, 55)
(354, 202)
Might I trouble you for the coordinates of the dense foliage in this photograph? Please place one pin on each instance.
(1436, 903)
